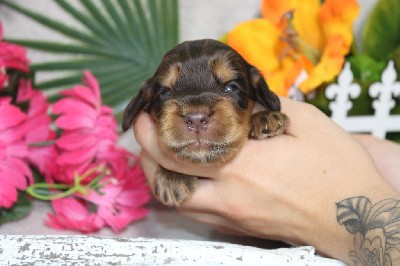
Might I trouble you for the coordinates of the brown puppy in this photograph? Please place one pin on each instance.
(201, 100)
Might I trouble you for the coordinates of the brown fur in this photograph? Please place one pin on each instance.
(221, 68)
(201, 99)
(171, 76)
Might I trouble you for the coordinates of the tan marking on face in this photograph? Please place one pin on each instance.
(221, 68)
(228, 128)
(171, 76)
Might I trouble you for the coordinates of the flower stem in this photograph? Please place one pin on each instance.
(42, 143)
(46, 191)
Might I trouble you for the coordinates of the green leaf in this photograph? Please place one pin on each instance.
(396, 59)
(19, 210)
(366, 70)
(381, 33)
(120, 42)
(53, 24)
(69, 49)
(319, 100)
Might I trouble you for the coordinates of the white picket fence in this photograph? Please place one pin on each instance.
(345, 90)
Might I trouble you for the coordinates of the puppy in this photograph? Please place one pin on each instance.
(201, 99)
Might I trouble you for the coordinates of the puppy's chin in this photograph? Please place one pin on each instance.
(204, 152)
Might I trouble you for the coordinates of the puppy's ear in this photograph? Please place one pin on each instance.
(260, 92)
(139, 103)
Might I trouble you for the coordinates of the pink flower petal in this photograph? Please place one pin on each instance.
(40, 133)
(5, 201)
(8, 190)
(38, 104)
(74, 106)
(10, 116)
(44, 159)
(11, 179)
(25, 90)
(76, 140)
(119, 219)
(83, 93)
(77, 156)
(72, 214)
(13, 56)
(72, 122)
(133, 198)
(93, 84)
(19, 149)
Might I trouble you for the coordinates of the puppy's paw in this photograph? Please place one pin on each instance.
(173, 188)
(266, 124)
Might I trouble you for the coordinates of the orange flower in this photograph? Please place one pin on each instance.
(295, 36)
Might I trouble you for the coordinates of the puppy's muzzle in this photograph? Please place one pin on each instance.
(197, 121)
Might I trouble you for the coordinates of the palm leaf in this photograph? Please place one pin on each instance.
(120, 41)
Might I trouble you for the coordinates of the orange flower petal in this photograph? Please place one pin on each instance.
(274, 9)
(256, 41)
(329, 66)
(305, 22)
(305, 19)
(326, 28)
(337, 17)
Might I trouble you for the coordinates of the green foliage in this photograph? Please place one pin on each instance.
(381, 33)
(366, 70)
(121, 42)
(396, 59)
(19, 210)
(319, 100)
(381, 43)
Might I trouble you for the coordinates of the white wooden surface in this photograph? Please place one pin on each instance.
(85, 250)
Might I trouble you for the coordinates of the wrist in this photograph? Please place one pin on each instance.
(351, 227)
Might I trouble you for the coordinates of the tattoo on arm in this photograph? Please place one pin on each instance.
(376, 230)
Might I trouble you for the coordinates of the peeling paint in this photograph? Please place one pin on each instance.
(24, 247)
(83, 250)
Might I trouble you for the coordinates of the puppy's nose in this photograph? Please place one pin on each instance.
(197, 121)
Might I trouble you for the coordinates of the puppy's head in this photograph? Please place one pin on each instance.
(201, 99)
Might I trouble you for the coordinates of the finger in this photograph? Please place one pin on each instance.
(149, 166)
(230, 231)
(306, 121)
(204, 198)
(208, 218)
(146, 136)
(386, 155)
(218, 222)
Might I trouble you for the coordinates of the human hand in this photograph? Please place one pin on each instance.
(282, 188)
(386, 155)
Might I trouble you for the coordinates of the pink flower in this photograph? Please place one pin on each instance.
(14, 172)
(116, 203)
(89, 129)
(39, 138)
(11, 56)
(88, 139)
(122, 193)
(72, 213)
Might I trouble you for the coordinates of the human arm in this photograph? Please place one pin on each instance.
(285, 188)
(386, 155)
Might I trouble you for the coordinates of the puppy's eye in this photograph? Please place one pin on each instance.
(165, 93)
(231, 87)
